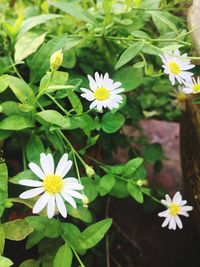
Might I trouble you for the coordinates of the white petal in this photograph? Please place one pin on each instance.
(41, 202)
(178, 222)
(172, 223)
(51, 207)
(61, 206)
(47, 163)
(36, 169)
(168, 199)
(163, 213)
(69, 199)
(166, 221)
(184, 213)
(92, 83)
(98, 78)
(28, 182)
(172, 79)
(117, 91)
(32, 193)
(63, 166)
(74, 193)
(71, 180)
(186, 208)
(177, 198)
(93, 104)
(74, 186)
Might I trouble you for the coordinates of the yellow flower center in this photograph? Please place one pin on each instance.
(174, 209)
(181, 97)
(174, 67)
(196, 87)
(53, 183)
(101, 93)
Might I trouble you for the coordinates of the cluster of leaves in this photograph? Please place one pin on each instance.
(41, 111)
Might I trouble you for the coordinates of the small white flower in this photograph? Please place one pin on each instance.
(53, 187)
(176, 66)
(104, 92)
(175, 207)
(192, 87)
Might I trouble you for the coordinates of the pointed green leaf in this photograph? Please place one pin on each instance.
(63, 257)
(132, 51)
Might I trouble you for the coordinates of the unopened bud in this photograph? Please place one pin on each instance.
(85, 201)
(56, 59)
(8, 204)
(141, 182)
(89, 171)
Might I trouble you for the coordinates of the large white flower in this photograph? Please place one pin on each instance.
(175, 207)
(53, 187)
(192, 87)
(176, 66)
(104, 92)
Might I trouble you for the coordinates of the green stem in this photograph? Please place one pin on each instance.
(77, 256)
(14, 67)
(57, 103)
(72, 148)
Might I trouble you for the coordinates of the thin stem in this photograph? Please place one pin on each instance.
(72, 148)
(57, 103)
(107, 236)
(77, 256)
(14, 68)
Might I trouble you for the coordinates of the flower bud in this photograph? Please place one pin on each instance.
(89, 171)
(8, 204)
(85, 201)
(56, 59)
(141, 182)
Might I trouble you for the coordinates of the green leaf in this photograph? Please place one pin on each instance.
(94, 233)
(112, 122)
(106, 184)
(30, 263)
(120, 189)
(135, 192)
(107, 5)
(47, 227)
(130, 77)
(63, 257)
(132, 51)
(3, 186)
(2, 239)
(16, 123)
(75, 102)
(90, 188)
(26, 174)
(40, 62)
(3, 84)
(17, 230)
(53, 117)
(21, 89)
(164, 18)
(27, 45)
(34, 148)
(70, 233)
(85, 122)
(80, 213)
(32, 22)
(75, 11)
(132, 165)
(5, 262)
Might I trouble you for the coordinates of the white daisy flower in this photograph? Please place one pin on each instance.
(53, 187)
(192, 87)
(176, 66)
(104, 92)
(175, 207)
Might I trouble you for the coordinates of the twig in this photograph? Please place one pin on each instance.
(126, 236)
(107, 236)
